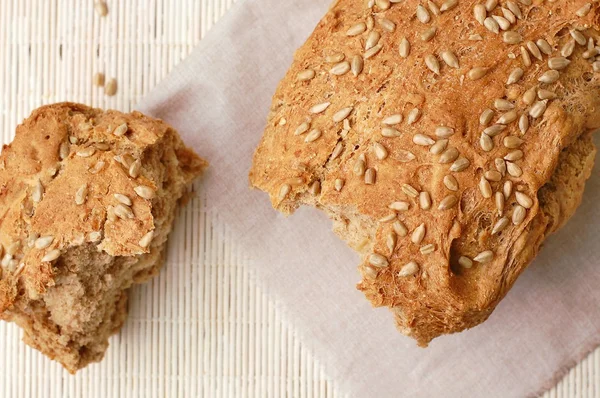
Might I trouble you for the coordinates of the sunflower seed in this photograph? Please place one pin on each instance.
(546, 94)
(514, 8)
(359, 167)
(404, 156)
(339, 184)
(500, 165)
(439, 146)
(370, 176)
(413, 116)
(51, 256)
(6, 261)
(410, 190)
(544, 46)
(500, 225)
(428, 33)
(460, 164)
(135, 168)
(390, 132)
(484, 257)
(523, 123)
(97, 167)
(486, 142)
(380, 152)
(524, 200)
(558, 63)
(409, 269)
(357, 65)
(499, 200)
(503, 23)
(448, 202)
(393, 119)
(444, 132)
(450, 59)
(98, 79)
(534, 50)
(404, 48)
(435, 10)
(123, 199)
(579, 37)
(124, 212)
(319, 108)
(485, 188)
(583, 11)
(423, 14)
(450, 182)
(342, 114)
(427, 249)
(303, 128)
(388, 218)
(86, 152)
(507, 118)
(357, 29)
(490, 5)
(387, 25)
(377, 260)
(510, 17)
(120, 130)
(425, 200)
(514, 156)
(515, 76)
(432, 64)
(503, 105)
(568, 48)
(44, 241)
(340, 69)
(525, 57)
(492, 25)
(37, 191)
(492, 175)
(423, 140)
(110, 88)
(480, 13)
(529, 95)
(314, 135)
(399, 205)
(465, 262)
(418, 234)
(305, 75)
(518, 215)
(477, 73)
(284, 190)
(514, 169)
(64, 150)
(101, 8)
(383, 4)
(507, 189)
(512, 141)
(81, 194)
(590, 53)
(372, 39)
(449, 155)
(538, 109)
(400, 228)
(370, 22)
(146, 239)
(448, 5)
(486, 117)
(335, 58)
(373, 51)
(494, 130)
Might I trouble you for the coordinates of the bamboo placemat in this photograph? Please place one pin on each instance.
(221, 336)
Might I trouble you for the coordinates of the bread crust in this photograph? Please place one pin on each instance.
(75, 231)
(542, 156)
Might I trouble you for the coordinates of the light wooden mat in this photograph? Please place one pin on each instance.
(221, 336)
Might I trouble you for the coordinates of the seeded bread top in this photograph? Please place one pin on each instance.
(427, 130)
(75, 175)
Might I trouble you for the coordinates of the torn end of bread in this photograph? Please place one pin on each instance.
(87, 200)
(445, 141)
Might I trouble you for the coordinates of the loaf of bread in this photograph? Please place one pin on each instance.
(445, 138)
(87, 200)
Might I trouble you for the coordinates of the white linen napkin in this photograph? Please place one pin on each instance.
(219, 99)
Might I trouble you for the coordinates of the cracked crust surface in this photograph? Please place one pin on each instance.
(68, 306)
(459, 283)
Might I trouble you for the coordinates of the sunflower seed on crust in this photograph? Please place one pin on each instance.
(409, 269)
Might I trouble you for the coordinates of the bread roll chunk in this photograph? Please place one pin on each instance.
(446, 139)
(87, 200)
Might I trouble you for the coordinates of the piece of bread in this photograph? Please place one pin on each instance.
(444, 139)
(87, 200)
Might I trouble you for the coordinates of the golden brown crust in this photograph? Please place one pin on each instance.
(451, 79)
(75, 228)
